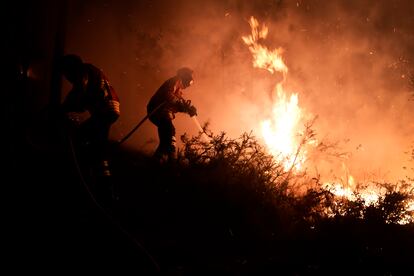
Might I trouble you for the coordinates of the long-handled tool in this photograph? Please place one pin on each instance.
(205, 136)
(133, 130)
(139, 124)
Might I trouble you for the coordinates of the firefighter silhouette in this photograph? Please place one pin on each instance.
(161, 110)
(92, 93)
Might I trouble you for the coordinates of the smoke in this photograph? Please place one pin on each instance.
(349, 61)
(351, 66)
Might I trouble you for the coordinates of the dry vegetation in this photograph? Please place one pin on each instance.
(227, 205)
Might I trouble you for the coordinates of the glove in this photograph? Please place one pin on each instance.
(192, 111)
(73, 118)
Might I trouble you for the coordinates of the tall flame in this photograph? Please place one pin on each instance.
(264, 58)
(280, 131)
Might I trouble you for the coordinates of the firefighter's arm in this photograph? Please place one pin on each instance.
(72, 107)
(73, 101)
(186, 107)
(193, 111)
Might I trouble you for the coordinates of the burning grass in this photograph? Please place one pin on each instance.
(243, 164)
(228, 205)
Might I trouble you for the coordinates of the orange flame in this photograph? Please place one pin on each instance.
(264, 58)
(371, 194)
(280, 131)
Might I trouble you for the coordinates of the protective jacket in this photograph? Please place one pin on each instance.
(92, 92)
(168, 100)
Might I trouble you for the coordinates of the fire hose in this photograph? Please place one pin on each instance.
(133, 130)
(139, 124)
(149, 115)
(104, 211)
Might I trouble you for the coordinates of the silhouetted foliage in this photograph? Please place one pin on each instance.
(245, 165)
(227, 205)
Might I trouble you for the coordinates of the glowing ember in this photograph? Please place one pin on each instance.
(370, 196)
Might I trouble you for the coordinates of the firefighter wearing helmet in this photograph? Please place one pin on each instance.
(162, 107)
(91, 92)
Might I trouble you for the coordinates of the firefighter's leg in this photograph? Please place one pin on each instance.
(166, 133)
(99, 131)
(101, 167)
(158, 152)
(85, 145)
(172, 154)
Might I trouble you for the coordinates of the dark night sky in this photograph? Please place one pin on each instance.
(349, 61)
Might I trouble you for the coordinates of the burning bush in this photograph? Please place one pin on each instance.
(244, 169)
(227, 202)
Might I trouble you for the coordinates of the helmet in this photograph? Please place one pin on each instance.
(69, 65)
(185, 72)
(69, 62)
(186, 75)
